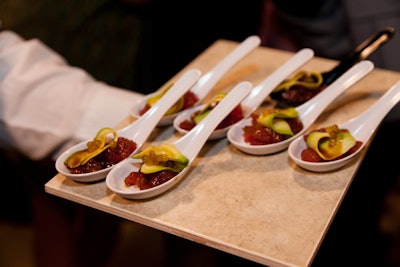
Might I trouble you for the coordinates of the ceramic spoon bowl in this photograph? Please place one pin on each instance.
(208, 80)
(308, 112)
(361, 127)
(138, 131)
(189, 145)
(257, 95)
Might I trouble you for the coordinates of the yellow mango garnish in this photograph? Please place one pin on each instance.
(208, 107)
(94, 148)
(312, 80)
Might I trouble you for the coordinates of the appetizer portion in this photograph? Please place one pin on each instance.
(305, 85)
(234, 116)
(159, 164)
(272, 126)
(188, 100)
(298, 89)
(329, 143)
(102, 152)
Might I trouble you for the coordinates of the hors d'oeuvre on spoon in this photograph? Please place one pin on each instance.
(306, 84)
(91, 160)
(187, 119)
(332, 147)
(158, 168)
(274, 129)
(201, 89)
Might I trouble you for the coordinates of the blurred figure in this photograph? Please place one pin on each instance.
(331, 28)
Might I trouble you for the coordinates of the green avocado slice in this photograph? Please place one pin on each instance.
(275, 119)
(175, 167)
(164, 157)
(209, 106)
(330, 146)
(199, 117)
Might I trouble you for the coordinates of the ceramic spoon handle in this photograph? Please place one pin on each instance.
(191, 143)
(376, 113)
(313, 107)
(140, 129)
(208, 80)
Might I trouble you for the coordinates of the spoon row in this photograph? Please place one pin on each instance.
(250, 98)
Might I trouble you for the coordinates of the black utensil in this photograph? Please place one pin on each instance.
(297, 95)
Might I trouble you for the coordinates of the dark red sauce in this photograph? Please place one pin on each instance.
(146, 181)
(296, 95)
(258, 134)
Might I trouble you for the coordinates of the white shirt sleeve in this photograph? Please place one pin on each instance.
(45, 103)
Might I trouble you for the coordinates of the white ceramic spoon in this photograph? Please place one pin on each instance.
(208, 80)
(138, 131)
(189, 145)
(361, 127)
(257, 95)
(308, 112)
